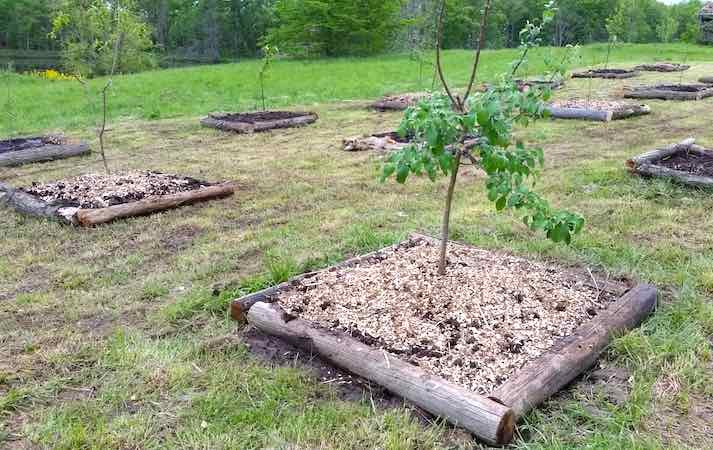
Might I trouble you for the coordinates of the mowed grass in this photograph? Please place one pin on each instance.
(113, 338)
(29, 105)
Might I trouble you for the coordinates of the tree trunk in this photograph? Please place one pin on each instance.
(44, 153)
(445, 228)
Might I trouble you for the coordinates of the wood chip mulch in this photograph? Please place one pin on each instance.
(596, 105)
(487, 317)
(101, 190)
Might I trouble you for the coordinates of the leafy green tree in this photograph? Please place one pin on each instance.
(334, 27)
(88, 29)
(440, 126)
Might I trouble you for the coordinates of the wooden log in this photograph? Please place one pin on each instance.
(490, 421)
(706, 80)
(606, 75)
(658, 154)
(220, 122)
(661, 93)
(42, 154)
(662, 67)
(580, 113)
(371, 143)
(678, 176)
(552, 371)
(631, 111)
(92, 217)
(28, 204)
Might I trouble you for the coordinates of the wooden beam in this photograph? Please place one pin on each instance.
(538, 380)
(489, 420)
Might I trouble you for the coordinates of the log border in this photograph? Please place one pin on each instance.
(706, 80)
(646, 164)
(662, 67)
(606, 75)
(657, 92)
(598, 115)
(218, 121)
(47, 152)
(526, 389)
(393, 103)
(31, 205)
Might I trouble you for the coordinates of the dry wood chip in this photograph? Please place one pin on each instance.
(487, 317)
(102, 190)
(596, 105)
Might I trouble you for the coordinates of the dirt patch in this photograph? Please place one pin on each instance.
(696, 164)
(476, 326)
(101, 190)
(261, 116)
(15, 145)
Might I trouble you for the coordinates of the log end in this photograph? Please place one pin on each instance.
(237, 312)
(506, 429)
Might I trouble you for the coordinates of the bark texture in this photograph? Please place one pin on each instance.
(42, 154)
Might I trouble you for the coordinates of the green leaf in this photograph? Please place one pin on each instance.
(402, 173)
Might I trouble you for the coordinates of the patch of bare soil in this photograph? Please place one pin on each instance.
(101, 190)
(261, 116)
(696, 164)
(14, 145)
(477, 325)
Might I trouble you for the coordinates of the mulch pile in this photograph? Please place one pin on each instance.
(701, 165)
(596, 105)
(477, 325)
(14, 145)
(101, 190)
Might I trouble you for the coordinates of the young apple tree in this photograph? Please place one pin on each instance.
(269, 52)
(441, 124)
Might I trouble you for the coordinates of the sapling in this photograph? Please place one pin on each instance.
(268, 55)
(440, 125)
(610, 46)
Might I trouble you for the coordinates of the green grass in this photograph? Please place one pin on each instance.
(113, 337)
(32, 105)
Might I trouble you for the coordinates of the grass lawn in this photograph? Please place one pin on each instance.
(112, 337)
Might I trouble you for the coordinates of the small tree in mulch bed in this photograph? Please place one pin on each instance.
(268, 55)
(441, 124)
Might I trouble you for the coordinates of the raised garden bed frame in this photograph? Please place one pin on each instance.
(222, 122)
(598, 73)
(598, 115)
(31, 205)
(647, 164)
(47, 152)
(397, 102)
(661, 93)
(491, 418)
(662, 67)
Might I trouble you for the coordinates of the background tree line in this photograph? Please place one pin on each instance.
(155, 31)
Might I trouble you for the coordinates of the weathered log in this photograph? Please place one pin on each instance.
(28, 204)
(580, 113)
(658, 154)
(490, 421)
(614, 75)
(537, 381)
(631, 111)
(662, 67)
(373, 143)
(92, 217)
(678, 176)
(221, 122)
(42, 154)
(670, 93)
(398, 102)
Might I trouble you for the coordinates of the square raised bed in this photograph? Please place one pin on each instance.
(254, 122)
(596, 110)
(685, 163)
(90, 200)
(610, 74)
(671, 92)
(663, 67)
(479, 347)
(25, 150)
(398, 102)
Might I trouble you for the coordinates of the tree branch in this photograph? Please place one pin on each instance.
(481, 43)
(439, 67)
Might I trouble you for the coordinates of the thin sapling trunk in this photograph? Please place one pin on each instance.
(445, 227)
